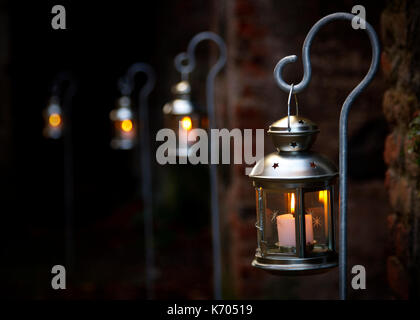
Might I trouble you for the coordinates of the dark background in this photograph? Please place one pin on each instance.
(101, 41)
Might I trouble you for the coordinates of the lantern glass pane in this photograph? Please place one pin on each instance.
(276, 221)
(317, 206)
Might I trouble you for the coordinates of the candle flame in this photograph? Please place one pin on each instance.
(127, 125)
(323, 198)
(292, 204)
(186, 123)
(54, 120)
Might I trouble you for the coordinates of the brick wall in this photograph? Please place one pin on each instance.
(401, 66)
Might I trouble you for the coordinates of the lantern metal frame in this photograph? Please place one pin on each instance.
(122, 140)
(126, 86)
(179, 108)
(53, 108)
(185, 64)
(343, 124)
(294, 169)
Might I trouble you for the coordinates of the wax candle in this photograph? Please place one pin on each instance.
(286, 230)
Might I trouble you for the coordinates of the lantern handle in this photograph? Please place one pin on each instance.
(185, 63)
(343, 118)
(126, 86)
(288, 107)
(126, 83)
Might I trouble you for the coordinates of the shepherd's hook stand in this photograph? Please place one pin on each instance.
(343, 120)
(184, 69)
(126, 87)
(67, 102)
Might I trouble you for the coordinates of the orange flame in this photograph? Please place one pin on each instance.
(186, 123)
(127, 125)
(54, 120)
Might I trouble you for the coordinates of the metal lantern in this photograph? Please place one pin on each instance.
(295, 187)
(294, 192)
(53, 116)
(181, 115)
(124, 133)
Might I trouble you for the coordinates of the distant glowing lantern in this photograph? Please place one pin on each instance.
(124, 135)
(53, 116)
(294, 192)
(181, 115)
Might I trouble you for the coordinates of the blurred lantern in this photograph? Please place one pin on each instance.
(181, 115)
(124, 132)
(53, 117)
(57, 117)
(127, 133)
(294, 193)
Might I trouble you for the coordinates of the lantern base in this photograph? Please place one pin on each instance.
(287, 265)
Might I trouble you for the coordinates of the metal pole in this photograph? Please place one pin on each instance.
(343, 149)
(68, 163)
(184, 69)
(145, 164)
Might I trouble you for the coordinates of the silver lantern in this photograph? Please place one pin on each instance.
(294, 197)
(53, 118)
(181, 115)
(124, 133)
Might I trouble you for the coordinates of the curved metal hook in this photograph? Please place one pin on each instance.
(126, 85)
(307, 71)
(189, 58)
(343, 121)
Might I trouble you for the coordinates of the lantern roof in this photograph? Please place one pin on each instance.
(123, 110)
(293, 166)
(181, 104)
(297, 125)
(293, 133)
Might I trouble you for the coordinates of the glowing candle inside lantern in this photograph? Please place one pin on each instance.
(286, 227)
(54, 120)
(323, 198)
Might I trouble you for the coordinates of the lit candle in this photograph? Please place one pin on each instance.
(286, 227)
(286, 230)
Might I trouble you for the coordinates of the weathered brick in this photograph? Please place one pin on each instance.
(392, 149)
(386, 65)
(402, 242)
(400, 35)
(400, 192)
(394, 28)
(391, 221)
(412, 156)
(397, 277)
(398, 106)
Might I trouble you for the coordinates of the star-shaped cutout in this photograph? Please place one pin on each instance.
(293, 144)
(316, 222)
(276, 165)
(313, 165)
